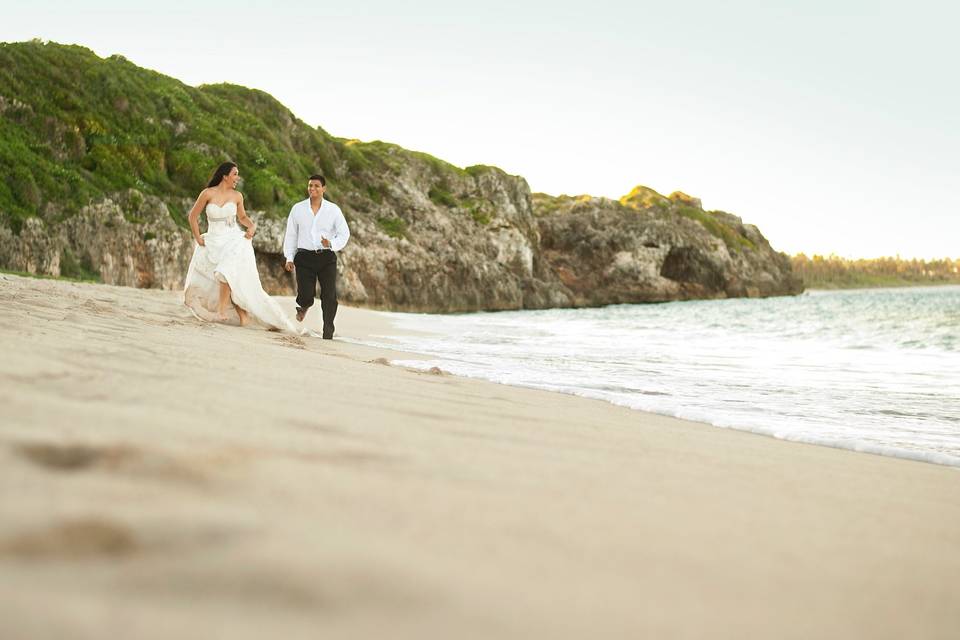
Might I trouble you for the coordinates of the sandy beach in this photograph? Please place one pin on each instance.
(166, 478)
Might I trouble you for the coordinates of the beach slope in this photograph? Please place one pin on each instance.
(165, 478)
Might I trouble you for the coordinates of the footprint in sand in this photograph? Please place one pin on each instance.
(80, 538)
(98, 308)
(73, 457)
(294, 342)
(100, 536)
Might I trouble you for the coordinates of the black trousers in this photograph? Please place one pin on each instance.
(313, 268)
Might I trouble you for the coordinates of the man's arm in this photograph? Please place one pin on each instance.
(341, 232)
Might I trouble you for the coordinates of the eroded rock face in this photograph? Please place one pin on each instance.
(469, 242)
(126, 240)
(606, 252)
(484, 243)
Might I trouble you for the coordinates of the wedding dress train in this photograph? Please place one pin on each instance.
(227, 256)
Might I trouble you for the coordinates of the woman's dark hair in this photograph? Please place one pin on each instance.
(222, 172)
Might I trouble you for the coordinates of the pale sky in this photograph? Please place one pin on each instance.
(832, 125)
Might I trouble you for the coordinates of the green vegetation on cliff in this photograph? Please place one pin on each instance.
(713, 222)
(641, 197)
(75, 128)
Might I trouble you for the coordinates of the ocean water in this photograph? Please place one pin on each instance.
(869, 370)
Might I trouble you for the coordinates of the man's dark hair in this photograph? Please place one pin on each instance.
(319, 177)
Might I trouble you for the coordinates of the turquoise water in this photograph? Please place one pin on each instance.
(870, 370)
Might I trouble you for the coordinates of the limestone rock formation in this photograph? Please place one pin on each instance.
(489, 244)
(656, 249)
(128, 240)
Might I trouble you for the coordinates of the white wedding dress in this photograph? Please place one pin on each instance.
(227, 256)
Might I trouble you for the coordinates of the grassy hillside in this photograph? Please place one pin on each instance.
(75, 127)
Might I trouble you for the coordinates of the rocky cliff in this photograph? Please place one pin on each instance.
(97, 184)
(504, 249)
(607, 252)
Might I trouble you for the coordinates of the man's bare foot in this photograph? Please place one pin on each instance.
(221, 316)
(300, 314)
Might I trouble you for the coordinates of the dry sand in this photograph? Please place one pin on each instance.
(165, 478)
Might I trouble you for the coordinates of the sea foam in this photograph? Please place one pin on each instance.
(875, 371)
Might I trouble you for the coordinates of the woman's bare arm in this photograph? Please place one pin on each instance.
(244, 220)
(194, 215)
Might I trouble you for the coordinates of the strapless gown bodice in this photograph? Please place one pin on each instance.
(221, 219)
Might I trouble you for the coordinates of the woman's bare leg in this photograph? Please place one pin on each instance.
(223, 301)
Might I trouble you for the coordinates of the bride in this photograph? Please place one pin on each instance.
(223, 284)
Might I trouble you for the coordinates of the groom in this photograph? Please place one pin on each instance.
(316, 230)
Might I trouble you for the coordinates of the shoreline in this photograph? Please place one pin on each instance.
(891, 287)
(403, 323)
(160, 472)
(943, 460)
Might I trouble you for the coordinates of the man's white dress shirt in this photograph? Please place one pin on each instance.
(306, 230)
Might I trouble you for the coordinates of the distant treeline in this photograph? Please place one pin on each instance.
(834, 272)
